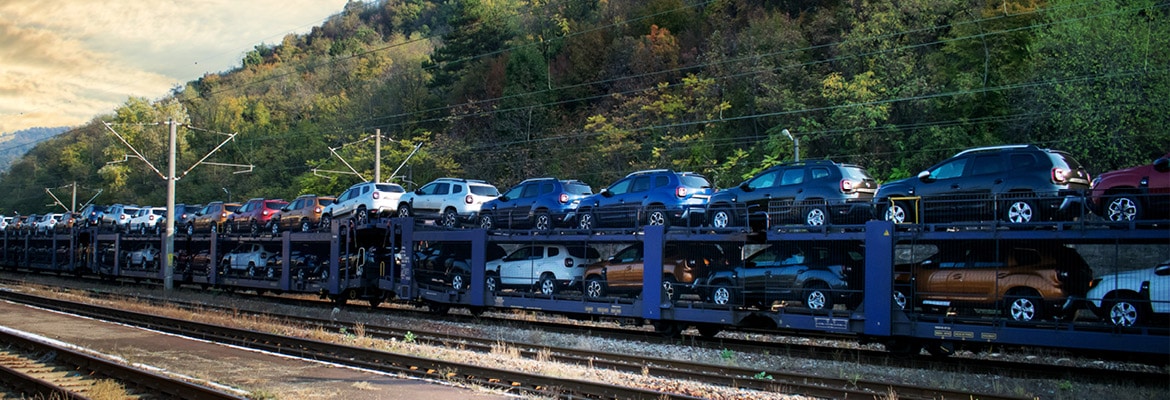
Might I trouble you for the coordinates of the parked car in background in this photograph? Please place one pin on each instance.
(145, 256)
(448, 264)
(448, 201)
(1131, 194)
(539, 203)
(249, 259)
(147, 219)
(1027, 281)
(303, 214)
(812, 193)
(253, 216)
(543, 268)
(68, 222)
(1014, 183)
(92, 215)
(117, 217)
(682, 264)
(818, 274)
(1132, 298)
(363, 200)
(212, 217)
(184, 213)
(20, 224)
(4, 222)
(652, 197)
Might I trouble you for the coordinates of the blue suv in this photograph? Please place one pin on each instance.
(653, 197)
(812, 193)
(538, 203)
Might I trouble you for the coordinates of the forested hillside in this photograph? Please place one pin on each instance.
(503, 90)
(15, 144)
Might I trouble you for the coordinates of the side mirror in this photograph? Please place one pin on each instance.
(606, 193)
(924, 176)
(1162, 164)
(744, 187)
(503, 198)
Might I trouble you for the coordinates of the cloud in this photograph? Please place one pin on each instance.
(63, 62)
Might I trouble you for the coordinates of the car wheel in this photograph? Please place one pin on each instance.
(229, 227)
(594, 288)
(586, 221)
(450, 218)
(404, 210)
(817, 297)
(214, 227)
(275, 227)
(723, 294)
(301, 275)
(1126, 311)
(458, 282)
(485, 221)
(254, 229)
(306, 226)
(324, 274)
(190, 229)
(1019, 211)
(1024, 307)
(670, 288)
(1123, 207)
(896, 212)
(900, 299)
(326, 222)
(491, 283)
(547, 285)
(543, 221)
(142, 229)
(361, 216)
(815, 215)
(251, 271)
(270, 272)
(722, 218)
(657, 216)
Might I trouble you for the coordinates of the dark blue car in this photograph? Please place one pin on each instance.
(538, 203)
(653, 197)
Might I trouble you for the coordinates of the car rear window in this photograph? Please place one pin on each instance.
(273, 204)
(159, 212)
(584, 252)
(577, 188)
(694, 181)
(324, 202)
(855, 173)
(1064, 160)
(382, 187)
(483, 190)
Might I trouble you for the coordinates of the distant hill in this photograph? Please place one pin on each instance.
(14, 145)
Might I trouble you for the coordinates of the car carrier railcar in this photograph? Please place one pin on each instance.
(377, 261)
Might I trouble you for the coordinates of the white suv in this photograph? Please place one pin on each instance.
(543, 268)
(449, 201)
(1132, 297)
(147, 219)
(362, 200)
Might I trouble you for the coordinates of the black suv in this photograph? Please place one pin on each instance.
(808, 192)
(652, 197)
(539, 203)
(1014, 183)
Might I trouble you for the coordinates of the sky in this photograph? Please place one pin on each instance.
(63, 62)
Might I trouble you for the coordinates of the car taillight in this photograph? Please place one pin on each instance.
(265, 213)
(846, 186)
(680, 191)
(377, 195)
(317, 210)
(223, 215)
(1093, 283)
(468, 199)
(564, 198)
(568, 263)
(151, 218)
(123, 216)
(1059, 175)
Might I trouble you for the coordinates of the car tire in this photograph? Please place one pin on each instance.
(142, 229)
(491, 283)
(896, 212)
(190, 230)
(542, 222)
(587, 220)
(486, 221)
(817, 297)
(214, 227)
(546, 285)
(404, 211)
(251, 271)
(458, 282)
(270, 273)
(594, 288)
(1123, 208)
(326, 222)
(450, 218)
(816, 215)
(361, 216)
(670, 288)
(901, 299)
(1126, 310)
(722, 294)
(254, 229)
(275, 227)
(722, 217)
(1020, 210)
(1024, 307)
(306, 226)
(657, 216)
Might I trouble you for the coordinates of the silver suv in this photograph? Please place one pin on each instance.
(362, 200)
(449, 201)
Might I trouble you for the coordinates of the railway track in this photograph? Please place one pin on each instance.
(38, 369)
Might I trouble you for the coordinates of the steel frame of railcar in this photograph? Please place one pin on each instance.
(876, 319)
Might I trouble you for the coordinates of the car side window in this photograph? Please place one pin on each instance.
(553, 251)
(792, 177)
(621, 187)
(987, 164)
(641, 184)
(514, 193)
(1022, 161)
(456, 189)
(365, 189)
(660, 181)
(297, 204)
(530, 191)
(768, 179)
(819, 173)
(949, 170)
(546, 188)
(442, 189)
(628, 255)
(520, 254)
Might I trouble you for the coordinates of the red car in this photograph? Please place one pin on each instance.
(1134, 194)
(254, 215)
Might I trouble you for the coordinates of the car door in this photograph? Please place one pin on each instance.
(784, 194)
(986, 176)
(938, 188)
(620, 207)
(505, 204)
(519, 213)
(1160, 289)
(516, 268)
(625, 268)
(754, 276)
(431, 197)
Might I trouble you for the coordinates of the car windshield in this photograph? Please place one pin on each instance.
(385, 187)
(483, 190)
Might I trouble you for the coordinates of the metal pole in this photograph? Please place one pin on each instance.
(796, 145)
(169, 243)
(377, 155)
(74, 205)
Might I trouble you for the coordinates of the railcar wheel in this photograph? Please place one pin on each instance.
(709, 330)
(669, 329)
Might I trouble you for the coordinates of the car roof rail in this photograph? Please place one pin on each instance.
(649, 171)
(996, 148)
